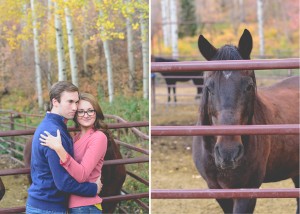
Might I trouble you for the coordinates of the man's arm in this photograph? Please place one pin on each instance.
(63, 181)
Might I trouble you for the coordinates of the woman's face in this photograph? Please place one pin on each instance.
(86, 115)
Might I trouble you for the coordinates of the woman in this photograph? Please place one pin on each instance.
(90, 146)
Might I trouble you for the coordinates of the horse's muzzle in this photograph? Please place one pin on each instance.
(228, 157)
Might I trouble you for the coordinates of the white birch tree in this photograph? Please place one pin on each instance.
(174, 28)
(260, 20)
(130, 53)
(71, 45)
(145, 52)
(84, 44)
(106, 49)
(165, 16)
(109, 70)
(38, 78)
(62, 75)
(49, 63)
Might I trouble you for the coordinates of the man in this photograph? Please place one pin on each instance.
(51, 183)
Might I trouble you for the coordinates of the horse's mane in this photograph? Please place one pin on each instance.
(111, 145)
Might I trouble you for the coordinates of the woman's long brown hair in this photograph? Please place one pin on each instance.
(99, 124)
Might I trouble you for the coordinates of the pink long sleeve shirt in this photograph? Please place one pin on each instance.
(89, 152)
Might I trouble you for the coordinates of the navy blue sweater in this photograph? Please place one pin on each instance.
(51, 183)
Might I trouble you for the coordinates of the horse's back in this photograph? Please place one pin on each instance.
(282, 102)
(287, 83)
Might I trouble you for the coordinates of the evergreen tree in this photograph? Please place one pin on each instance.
(188, 24)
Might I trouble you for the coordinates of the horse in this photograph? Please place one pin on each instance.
(113, 176)
(232, 98)
(182, 77)
(2, 189)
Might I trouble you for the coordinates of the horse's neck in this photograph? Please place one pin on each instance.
(261, 112)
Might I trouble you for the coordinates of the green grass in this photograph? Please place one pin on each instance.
(132, 109)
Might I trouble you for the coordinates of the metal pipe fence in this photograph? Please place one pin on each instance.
(116, 126)
(274, 129)
(256, 64)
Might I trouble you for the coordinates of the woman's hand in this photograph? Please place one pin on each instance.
(99, 184)
(51, 141)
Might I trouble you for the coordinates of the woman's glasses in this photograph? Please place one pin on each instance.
(81, 113)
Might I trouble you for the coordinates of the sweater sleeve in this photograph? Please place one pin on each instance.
(95, 151)
(63, 181)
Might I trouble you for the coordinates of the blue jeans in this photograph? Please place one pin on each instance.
(85, 209)
(33, 210)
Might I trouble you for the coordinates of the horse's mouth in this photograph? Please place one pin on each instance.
(227, 165)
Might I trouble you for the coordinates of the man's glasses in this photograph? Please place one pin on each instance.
(81, 113)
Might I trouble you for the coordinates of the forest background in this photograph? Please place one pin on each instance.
(99, 45)
(102, 46)
(222, 22)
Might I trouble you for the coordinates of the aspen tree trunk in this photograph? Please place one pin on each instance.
(174, 28)
(38, 78)
(72, 51)
(242, 10)
(165, 16)
(49, 63)
(130, 53)
(24, 44)
(84, 46)
(62, 73)
(260, 20)
(108, 64)
(109, 71)
(234, 16)
(145, 52)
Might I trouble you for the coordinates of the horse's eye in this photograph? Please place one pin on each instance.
(249, 87)
(209, 87)
(209, 90)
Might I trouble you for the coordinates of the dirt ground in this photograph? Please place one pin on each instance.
(15, 185)
(172, 166)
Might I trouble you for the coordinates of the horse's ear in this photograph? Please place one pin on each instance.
(206, 49)
(245, 44)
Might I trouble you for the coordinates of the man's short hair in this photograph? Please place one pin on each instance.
(58, 88)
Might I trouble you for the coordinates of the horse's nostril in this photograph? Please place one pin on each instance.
(240, 152)
(217, 151)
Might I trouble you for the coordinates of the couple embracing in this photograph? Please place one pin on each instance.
(66, 171)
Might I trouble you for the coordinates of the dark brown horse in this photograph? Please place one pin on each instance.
(231, 98)
(184, 76)
(2, 189)
(113, 176)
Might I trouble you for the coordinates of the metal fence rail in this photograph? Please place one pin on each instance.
(256, 64)
(225, 193)
(276, 129)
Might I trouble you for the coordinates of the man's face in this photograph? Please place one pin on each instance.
(67, 106)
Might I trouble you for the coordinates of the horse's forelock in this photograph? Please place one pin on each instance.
(228, 52)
